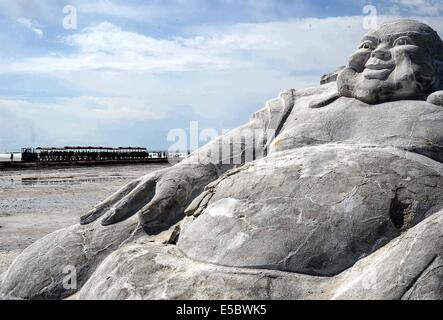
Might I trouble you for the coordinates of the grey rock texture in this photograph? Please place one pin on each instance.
(316, 210)
(396, 270)
(331, 192)
(429, 285)
(146, 270)
(408, 125)
(38, 272)
(409, 267)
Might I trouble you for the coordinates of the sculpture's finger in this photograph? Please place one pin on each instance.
(104, 206)
(131, 203)
(167, 206)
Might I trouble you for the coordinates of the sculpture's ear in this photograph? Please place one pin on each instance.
(331, 77)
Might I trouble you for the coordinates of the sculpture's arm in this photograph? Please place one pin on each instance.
(161, 197)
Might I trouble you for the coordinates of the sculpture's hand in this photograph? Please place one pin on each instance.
(436, 98)
(160, 197)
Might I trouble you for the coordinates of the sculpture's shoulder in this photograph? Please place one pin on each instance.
(316, 91)
(317, 97)
(276, 110)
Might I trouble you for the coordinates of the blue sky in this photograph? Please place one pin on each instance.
(134, 70)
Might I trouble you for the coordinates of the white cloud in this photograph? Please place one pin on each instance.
(106, 7)
(33, 26)
(107, 47)
(298, 45)
(103, 109)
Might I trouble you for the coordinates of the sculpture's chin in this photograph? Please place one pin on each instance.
(374, 90)
(352, 84)
(372, 98)
(346, 82)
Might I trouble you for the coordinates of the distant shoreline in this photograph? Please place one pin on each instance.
(72, 164)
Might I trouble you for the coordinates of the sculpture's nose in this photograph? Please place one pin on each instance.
(382, 52)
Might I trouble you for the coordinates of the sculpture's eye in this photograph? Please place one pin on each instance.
(403, 41)
(368, 45)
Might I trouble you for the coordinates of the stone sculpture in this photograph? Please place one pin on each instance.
(339, 195)
(403, 60)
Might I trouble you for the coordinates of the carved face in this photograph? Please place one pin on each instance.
(401, 60)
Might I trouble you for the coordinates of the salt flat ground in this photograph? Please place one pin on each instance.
(34, 203)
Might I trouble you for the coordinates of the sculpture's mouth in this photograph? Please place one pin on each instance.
(382, 74)
(378, 69)
(380, 66)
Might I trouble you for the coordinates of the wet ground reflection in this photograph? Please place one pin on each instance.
(35, 181)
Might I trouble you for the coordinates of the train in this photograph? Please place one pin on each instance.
(95, 154)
